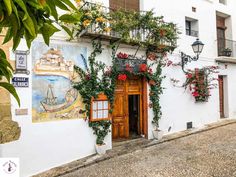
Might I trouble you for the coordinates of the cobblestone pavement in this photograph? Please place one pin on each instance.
(207, 154)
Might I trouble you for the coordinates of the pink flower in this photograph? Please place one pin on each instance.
(128, 68)
(169, 63)
(189, 75)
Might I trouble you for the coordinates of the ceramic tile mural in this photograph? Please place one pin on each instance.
(53, 96)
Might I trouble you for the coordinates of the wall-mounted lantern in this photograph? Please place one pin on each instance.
(197, 49)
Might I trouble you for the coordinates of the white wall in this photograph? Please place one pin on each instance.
(48, 144)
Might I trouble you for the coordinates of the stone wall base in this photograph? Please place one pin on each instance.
(9, 129)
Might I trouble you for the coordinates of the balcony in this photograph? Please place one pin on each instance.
(226, 47)
(226, 51)
(103, 23)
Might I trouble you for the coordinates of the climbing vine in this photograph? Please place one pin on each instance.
(140, 29)
(91, 85)
(200, 82)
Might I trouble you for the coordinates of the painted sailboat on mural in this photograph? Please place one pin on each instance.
(50, 103)
(54, 97)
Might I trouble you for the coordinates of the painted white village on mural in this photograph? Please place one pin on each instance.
(112, 88)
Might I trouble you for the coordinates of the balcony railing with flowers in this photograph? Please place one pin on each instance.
(141, 28)
(226, 47)
(129, 63)
(106, 28)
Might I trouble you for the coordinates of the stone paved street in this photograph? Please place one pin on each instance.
(208, 154)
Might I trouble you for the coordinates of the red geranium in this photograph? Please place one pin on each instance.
(195, 94)
(122, 77)
(142, 67)
(122, 55)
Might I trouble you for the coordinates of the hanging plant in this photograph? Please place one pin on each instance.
(200, 82)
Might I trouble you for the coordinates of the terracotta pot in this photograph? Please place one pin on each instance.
(101, 149)
(158, 134)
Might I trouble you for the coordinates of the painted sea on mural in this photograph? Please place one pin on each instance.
(53, 97)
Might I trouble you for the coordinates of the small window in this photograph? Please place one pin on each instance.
(223, 2)
(125, 4)
(191, 26)
(100, 108)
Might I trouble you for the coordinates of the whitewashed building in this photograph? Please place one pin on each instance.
(44, 145)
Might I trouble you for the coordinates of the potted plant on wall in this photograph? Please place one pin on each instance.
(227, 52)
(157, 133)
(100, 121)
(101, 130)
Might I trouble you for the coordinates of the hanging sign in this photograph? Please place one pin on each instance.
(21, 62)
(20, 81)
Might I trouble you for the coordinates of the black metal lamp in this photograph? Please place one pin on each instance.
(197, 49)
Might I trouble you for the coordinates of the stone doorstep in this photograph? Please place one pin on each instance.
(126, 148)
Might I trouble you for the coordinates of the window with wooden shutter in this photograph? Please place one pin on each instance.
(100, 108)
(125, 4)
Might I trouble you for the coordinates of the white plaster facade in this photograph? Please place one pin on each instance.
(49, 144)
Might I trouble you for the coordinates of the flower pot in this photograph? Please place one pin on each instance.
(158, 134)
(227, 53)
(101, 149)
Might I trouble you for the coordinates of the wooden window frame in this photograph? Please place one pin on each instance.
(101, 97)
(124, 5)
(188, 27)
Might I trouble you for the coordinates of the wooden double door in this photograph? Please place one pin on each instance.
(221, 96)
(130, 108)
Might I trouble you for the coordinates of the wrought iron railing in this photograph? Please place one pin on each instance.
(130, 62)
(191, 33)
(137, 34)
(226, 47)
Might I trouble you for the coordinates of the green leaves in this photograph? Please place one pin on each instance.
(6, 71)
(70, 18)
(28, 18)
(68, 31)
(68, 3)
(8, 6)
(9, 87)
(47, 31)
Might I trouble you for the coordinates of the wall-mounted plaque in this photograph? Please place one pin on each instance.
(20, 81)
(21, 62)
(21, 112)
